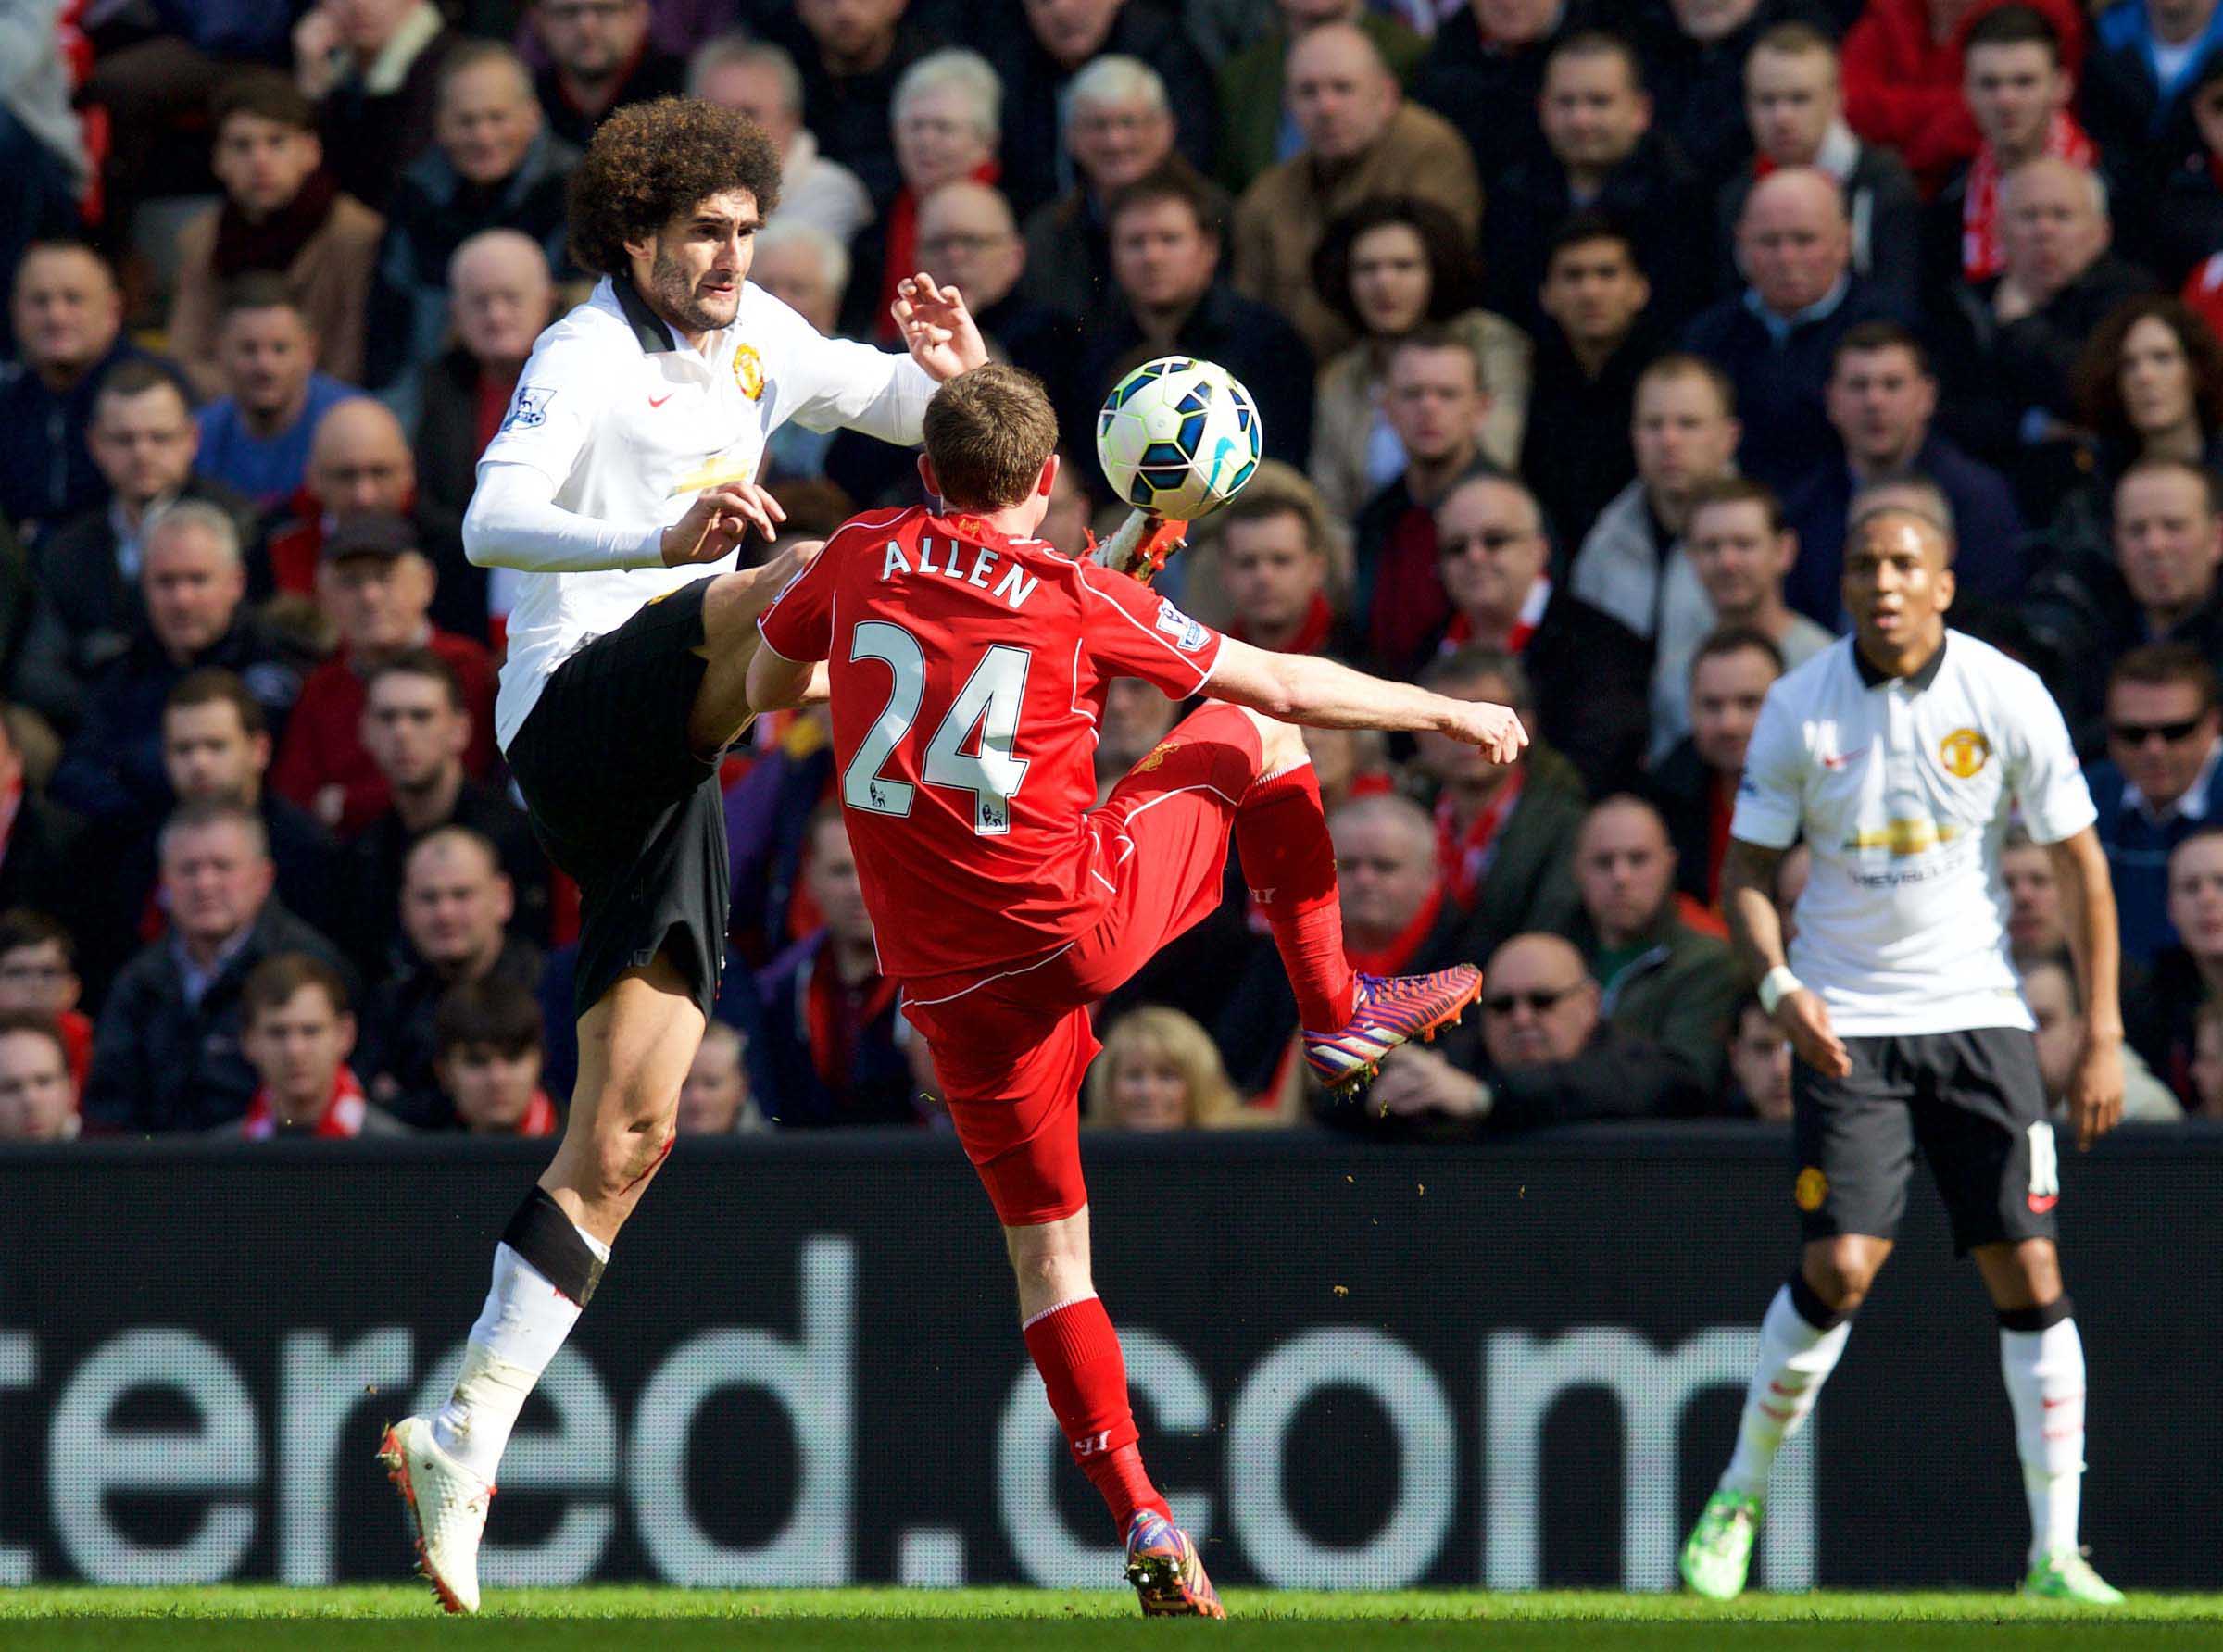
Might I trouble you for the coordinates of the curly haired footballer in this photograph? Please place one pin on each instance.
(650, 162)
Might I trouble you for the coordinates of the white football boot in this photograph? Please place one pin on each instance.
(446, 1505)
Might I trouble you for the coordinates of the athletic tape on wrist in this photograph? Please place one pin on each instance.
(546, 1238)
(2028, 1319)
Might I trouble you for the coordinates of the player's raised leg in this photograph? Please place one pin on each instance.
(2041, 1358)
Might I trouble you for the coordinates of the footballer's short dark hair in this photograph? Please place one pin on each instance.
(988, 432)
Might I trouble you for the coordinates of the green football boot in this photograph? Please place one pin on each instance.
(2068, 1576)
(1719, 1553)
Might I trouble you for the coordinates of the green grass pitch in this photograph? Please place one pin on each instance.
(373, 1619)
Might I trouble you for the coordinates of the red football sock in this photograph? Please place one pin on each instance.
(1290, 866)
(1078, 1353)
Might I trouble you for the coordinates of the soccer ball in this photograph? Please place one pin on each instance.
(1179, 437)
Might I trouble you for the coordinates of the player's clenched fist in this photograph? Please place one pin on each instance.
(1805, 1022)
(1496, 729)
(719, 520)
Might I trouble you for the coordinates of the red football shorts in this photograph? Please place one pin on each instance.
(1010, 1048)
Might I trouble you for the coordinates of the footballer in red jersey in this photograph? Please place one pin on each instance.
(967, 663)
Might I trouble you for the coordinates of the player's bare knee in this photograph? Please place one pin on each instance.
(1841, 1271)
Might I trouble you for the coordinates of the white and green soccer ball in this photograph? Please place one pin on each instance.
(1179, 437)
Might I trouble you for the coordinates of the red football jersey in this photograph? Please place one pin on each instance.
(968, 672)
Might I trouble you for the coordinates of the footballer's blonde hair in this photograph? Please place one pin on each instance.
(988, 432)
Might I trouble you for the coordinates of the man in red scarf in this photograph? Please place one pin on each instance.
(1274, 566)
(487, 1041)
(2017, 89)
(298, 1033)
(1392, 884)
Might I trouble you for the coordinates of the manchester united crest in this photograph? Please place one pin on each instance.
(748, 372)
(1811, 1189)
(1963, 752)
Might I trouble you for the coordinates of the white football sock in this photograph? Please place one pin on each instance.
(2045, 1383)
(523, 1323)
(1795, 1359)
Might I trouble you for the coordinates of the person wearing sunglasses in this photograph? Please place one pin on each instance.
(2159, 782)
(1546, 1056)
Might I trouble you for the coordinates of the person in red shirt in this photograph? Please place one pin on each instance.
(377, 585)
(967, 664)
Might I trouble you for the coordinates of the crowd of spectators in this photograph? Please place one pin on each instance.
(1576, 328)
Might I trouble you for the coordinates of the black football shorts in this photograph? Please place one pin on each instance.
(1974, 1103)
(624, 806)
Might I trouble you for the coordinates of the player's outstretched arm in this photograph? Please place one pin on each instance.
(1748, 900)
(2096, 1088)
(1303, 688)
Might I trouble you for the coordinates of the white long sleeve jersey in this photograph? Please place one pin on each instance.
(614, 428)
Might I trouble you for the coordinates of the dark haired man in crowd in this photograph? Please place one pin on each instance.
(486, 1049)
(372, 68)
(1694, 787)
(2161, 781)
(145, 441)
(600, 58)
(298, 1031)
(283, 213)
(256, 437)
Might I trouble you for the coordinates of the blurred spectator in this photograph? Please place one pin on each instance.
(500, 296)
(2049, 987)
(256, 437)
(38, 1092)
(2147, 57)
(1634, 563)
(2149, 385)
(1136, 717)
(2186, 977)
(1159, 1071)
(2203, 1090)
(946, 111)
(2014, 337)
(807, 269)
(760, 80)
(2017, 91)
(2034, 928)
(715, 1100)
(493, 165)
(1880, 399)
(1588, 671)
(1274, 564)
(193, 584)
(1759, 1065)
(1777, 338)
(1484, 72)
(167, 1053)
(417, 727)
(1256, 130)
(1660, 980)
(143, 441)
(377, 588)
(1118, 131)
(216, 745)
(1740, 549)
(1398, 918)
(1794, 104)
(2159, 586)
(68, 324)
(1592, 341)
(1387, 267)
(825, 1053)
(1038, 62)
(2161, 781)
(2182, 228)
(486, 1051)
(968, 238)
(297, 1032)
(39, 979)
(41, 148)
(1904, 71)
(1436, 400)
(850, 52)
(1349, 763)
(1696, 66)
(1504, 834)
(1547, 1056)
(600, 58)
(360, 462)
(1165, 264)
(454, 903)
(1362, 140)
(372, 68)
(41, 842)
(1694, 787)
(1604, 156)
(283, 213)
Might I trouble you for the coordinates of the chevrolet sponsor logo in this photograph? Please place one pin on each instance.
(1907, 837)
